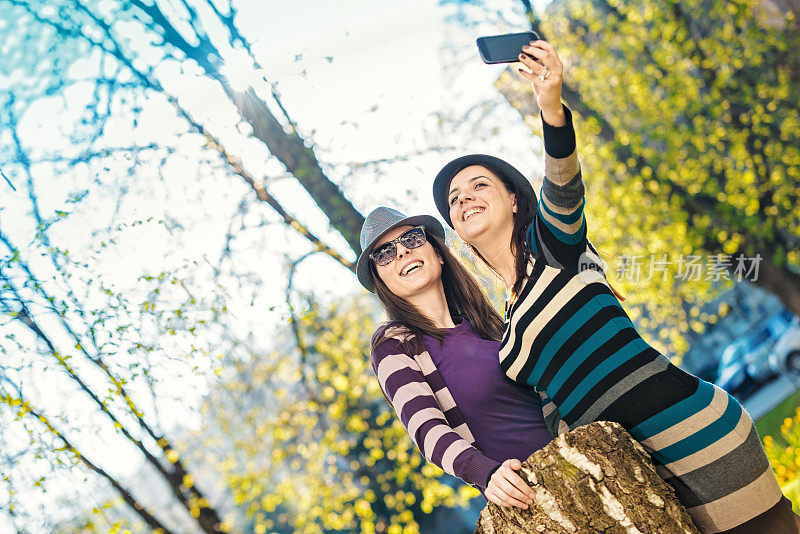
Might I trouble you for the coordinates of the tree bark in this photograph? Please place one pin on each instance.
(596, 478)
(781, 281)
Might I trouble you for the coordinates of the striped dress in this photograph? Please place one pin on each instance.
(567, 335)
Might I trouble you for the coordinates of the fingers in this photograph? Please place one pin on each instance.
(507, 488)
(544, 45)
(521, 486)
(526, 493)
(545, 56)
(501, 497)
(543, 51)
(536, 66)
(535, 51)
(541, 58)
(543, 48)
(513, 494)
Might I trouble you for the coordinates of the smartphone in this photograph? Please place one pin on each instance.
(504, 48)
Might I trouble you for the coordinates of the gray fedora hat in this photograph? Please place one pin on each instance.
(377, 223)
(441, 184)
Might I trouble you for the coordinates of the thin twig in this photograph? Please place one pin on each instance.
(7, 180)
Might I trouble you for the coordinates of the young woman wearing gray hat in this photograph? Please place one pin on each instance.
(437, 359)
(567, 335)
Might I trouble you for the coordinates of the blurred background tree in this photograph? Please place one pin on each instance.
(783, 451)
(158, 197)
(317, 448)
(687, 116)
(108, 117)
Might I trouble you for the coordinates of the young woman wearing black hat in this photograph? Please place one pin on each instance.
(437, 359)
(567, 335)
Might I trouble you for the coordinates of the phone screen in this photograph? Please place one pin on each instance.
(504, 48)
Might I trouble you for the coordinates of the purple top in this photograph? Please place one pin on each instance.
(505, 418)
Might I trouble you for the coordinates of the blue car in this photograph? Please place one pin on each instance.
(732, 372)
(762, 343)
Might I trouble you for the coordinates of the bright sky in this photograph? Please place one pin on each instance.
(380, 94)
(364, 79)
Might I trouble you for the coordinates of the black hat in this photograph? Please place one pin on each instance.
(441, 184)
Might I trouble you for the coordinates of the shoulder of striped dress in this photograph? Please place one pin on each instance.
(590, 245)
(393, 341)
(396, 332)
(592, 253)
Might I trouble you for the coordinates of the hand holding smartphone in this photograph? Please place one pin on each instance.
(546, 70)
(504, 48)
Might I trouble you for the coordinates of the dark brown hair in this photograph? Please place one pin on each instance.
(520, 245)
(464, 299)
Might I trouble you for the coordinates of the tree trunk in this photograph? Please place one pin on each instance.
(288, 147)
(781, 281)
(596, 478)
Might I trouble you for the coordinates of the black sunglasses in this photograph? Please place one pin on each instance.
(387, 252)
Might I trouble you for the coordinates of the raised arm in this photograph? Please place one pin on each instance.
(561, 199)
(560, 226)
(402, 380)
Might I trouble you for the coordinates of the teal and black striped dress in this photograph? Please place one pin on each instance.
(567, 335)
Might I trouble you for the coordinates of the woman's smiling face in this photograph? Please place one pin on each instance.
(480, 204)
(413, 270)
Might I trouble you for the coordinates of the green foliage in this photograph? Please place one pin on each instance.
(82, 364)
(105, 518)
(781, 431)
(492, 285)
(688, 134)
(769, 424)
(323, 451)
(783, 451)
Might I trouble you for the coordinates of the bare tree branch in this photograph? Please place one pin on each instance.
(110, 46)
(137, 507)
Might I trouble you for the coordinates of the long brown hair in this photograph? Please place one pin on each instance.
(464, 299)
(520, 245)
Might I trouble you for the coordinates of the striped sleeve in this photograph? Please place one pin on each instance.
(561, 225)
(552, 418)
(413, 400)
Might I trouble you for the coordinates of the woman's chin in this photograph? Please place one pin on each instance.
(473, 231)
(415, 284)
